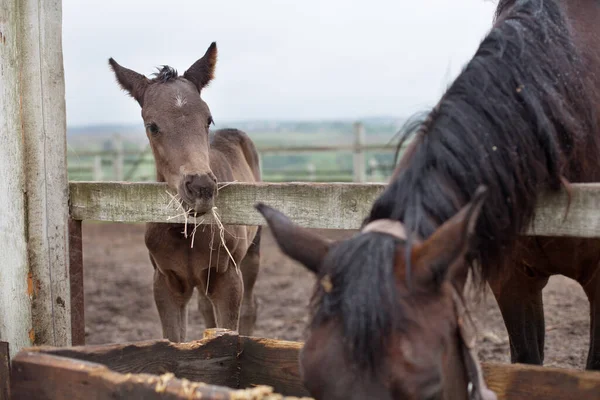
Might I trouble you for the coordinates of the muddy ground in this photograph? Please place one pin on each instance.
(119, 306)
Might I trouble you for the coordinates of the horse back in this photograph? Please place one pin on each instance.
(234, 157)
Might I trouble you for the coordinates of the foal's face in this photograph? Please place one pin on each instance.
(419, 354)
(177, 124)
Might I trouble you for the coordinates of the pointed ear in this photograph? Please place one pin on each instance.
(296, 242)
(440, 257)
(133, 83)
(203, 70)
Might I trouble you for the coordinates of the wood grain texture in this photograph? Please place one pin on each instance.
(209, 360)
(41, 376)
(76, 278)
(46, 377)
(43, 122)
(526, 382)
(272, 363)
(4, 371)
(112, 370)
(317, 205)
(313, 205)
(15, 302)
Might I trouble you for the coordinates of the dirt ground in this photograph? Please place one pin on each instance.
(120, 308)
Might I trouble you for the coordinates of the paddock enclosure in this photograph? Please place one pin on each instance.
(42, 315)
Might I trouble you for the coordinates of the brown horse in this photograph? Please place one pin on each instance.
(521, 118)
(177, 124)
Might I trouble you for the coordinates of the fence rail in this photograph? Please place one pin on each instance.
(313, 205)
(361, 169)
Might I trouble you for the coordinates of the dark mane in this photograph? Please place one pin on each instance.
(513, 120)
(164, 74)
(359, 288)
(502, 6)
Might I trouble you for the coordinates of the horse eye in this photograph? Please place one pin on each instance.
(210, 121)
(152, 128)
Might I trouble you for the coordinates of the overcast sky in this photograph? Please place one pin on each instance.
(278, 59)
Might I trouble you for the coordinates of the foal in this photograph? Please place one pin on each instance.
(177, 123)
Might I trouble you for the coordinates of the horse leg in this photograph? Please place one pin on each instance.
(171, 296)
(520, 300)
(592, 290)
(225, 292)
(206, 308)
(250, 266)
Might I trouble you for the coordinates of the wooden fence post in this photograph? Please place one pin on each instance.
(15, 304)
(97, 169)
(76, 273)
(35, 304)
(118, 156)
(359, 152)
(4, 371)
(373, 169)
(312, 172)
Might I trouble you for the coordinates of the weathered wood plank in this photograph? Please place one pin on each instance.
(313, 205)
(260, 362)
(272, 363)
(318, 205)
(15, 303)
(76, 277)
(527, 382)
(275, 362)
(46, 377)
(42, 376)
(4, 371)
(211, 360)
(43, 122)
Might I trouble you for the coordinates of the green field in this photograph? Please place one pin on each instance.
(327, 166)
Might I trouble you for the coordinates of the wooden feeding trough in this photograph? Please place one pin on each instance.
(224, 365)
(221, 366)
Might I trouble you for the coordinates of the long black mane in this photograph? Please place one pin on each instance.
(513, 120)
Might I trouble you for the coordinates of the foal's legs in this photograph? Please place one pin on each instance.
(225, 291)
(206, 308)
(520, 300)
(171, 295)
(250, 266)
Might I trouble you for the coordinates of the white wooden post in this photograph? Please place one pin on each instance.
(97, 172)
(260, 163)
(35, 306)
(374, 169)
(119, 157)
(359, 152)
(15, 305)
(312, 172)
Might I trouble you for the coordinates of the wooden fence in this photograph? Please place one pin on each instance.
(124, 163)
(35, 303)
(313, 205)
(41, 279)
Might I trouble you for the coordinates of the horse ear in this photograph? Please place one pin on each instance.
(441, 256)
(203, 70)
(296, 242)
(133, 83)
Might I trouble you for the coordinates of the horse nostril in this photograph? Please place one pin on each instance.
(189, 187)
(199, 186)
